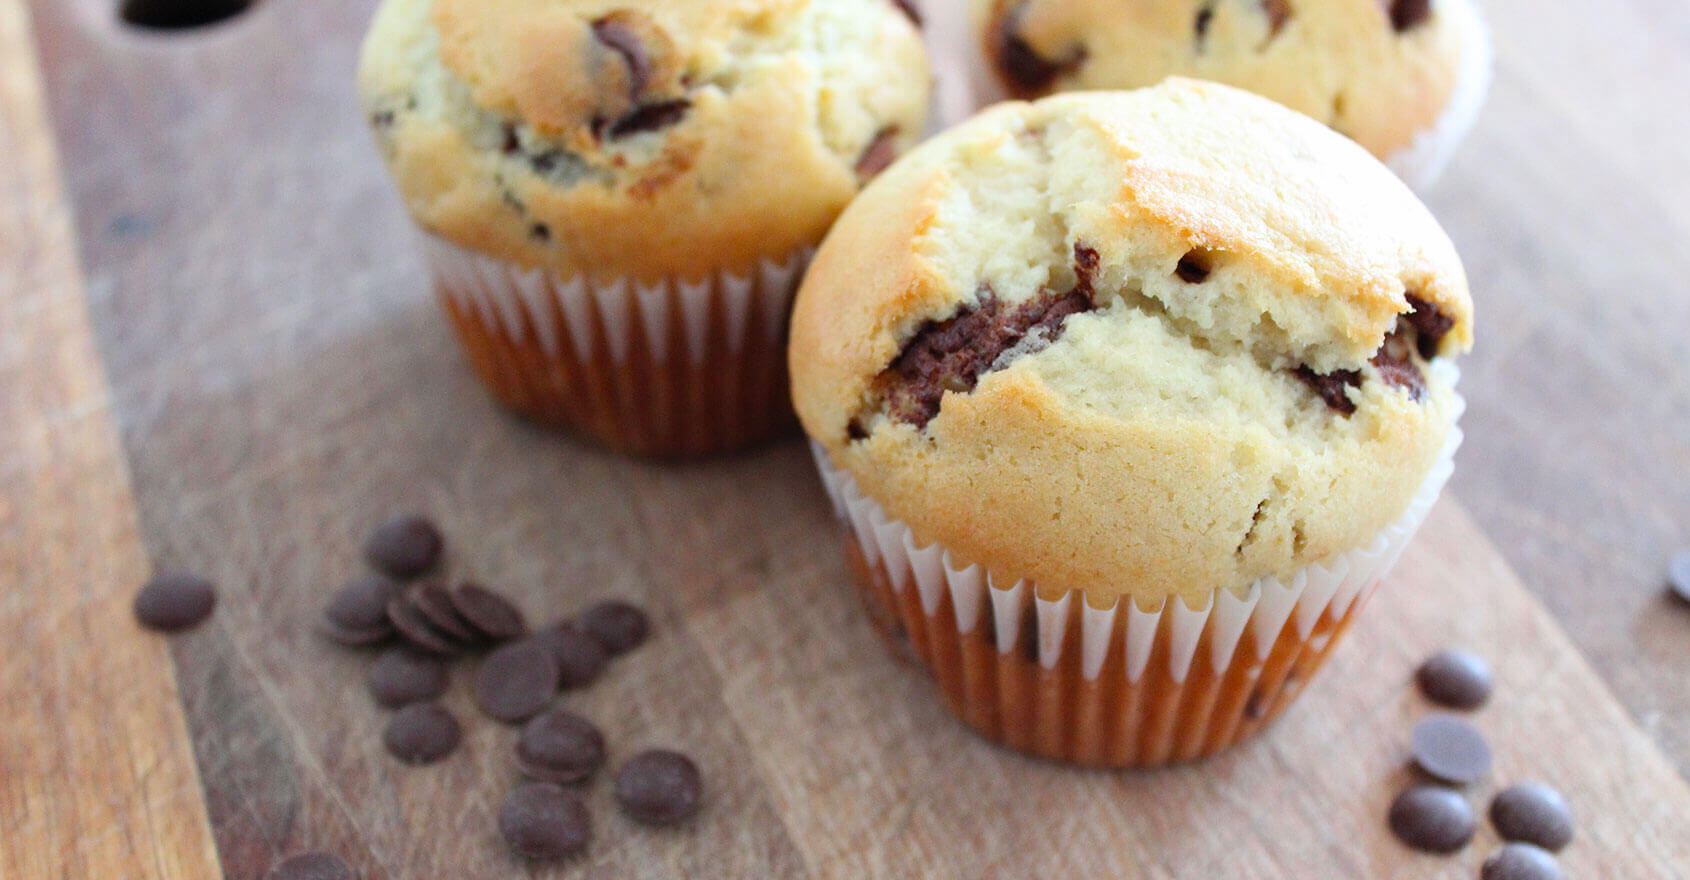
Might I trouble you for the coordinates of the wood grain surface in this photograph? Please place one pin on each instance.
(96, 777)
(281, 379)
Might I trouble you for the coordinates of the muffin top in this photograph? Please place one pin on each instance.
(640, 138)
(1143, 343)
(1379, 71)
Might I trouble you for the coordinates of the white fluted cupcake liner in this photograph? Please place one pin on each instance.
(1118, 686)
(674, 367)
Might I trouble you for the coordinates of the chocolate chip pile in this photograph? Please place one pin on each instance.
(1434, 816)
(421, 629)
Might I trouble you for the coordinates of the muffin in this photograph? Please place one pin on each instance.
(618, 199)
(1403, 78)
(1128, 400)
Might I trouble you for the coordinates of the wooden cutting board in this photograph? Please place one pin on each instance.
(246, 371)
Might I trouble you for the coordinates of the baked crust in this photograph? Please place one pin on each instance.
(638, 139)
(1166, 441)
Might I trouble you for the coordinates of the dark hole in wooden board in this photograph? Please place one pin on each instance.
(179, 14)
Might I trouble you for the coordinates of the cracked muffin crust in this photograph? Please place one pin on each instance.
(634, 138)
(1383, 72)
(1140, 344)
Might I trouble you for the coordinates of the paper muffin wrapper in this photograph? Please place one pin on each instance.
(1116, 687)
(668, 368)
(1422, 162)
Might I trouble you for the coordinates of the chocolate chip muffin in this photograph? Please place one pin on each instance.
(619, 198)
(1404, 78)
(1158, 369)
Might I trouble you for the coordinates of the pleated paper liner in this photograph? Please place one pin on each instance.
(1118, 687)
(671, 369)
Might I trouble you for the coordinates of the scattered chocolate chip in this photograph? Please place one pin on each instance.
(1432, 819)
(1085, 266)
(402, 676)
(404, 546)
(1450, 749)
(436, 604)
(580, 656)
(659, 787)
(540, 232)
(1395, 361)
(907, 7)
(1430, 324)
(1678, 574)
(1026, 71)
(1193, 268)
(312, 866)
(512, 142)
(559, 747)
(415, 629)
(1457, 679)
(1330, 387)
(1408, 13)
(1205, 17)
(879, 153)
(543, 821)
(616, 33)
(516, 681)
(490, 614)
(180, 14)
(421, 733)
(1278, 12)
(382, 119)
(1520, 861)
(650, 117)
(952, 355)
(357, 615)
(1533, 813)
(175, 601)
(619, 626)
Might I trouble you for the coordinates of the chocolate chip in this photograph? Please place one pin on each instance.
(1193, 268)
(1027, 72)
(879, 153)
(649, 117)
(1395, 361)
(619, 626)
(175, 601)
(1450, 749)
(416, 629)
(580, 656)
(180, 14)
(616, 33)
(1278, 12)
(1205, 17)
(559, 747)
(490, 614)
(659, 787)
(516, 681)
(404, 546)
(543, 821)
(1520, 861)
(1330, 387)
(312, 866)
(1457, 679)
(1408, 13)
(1533, 813)
(1678, 574)
(953, 354)
(435, 603)
(1085, 266)
(907, 7)
(421, 733)
(1432, 819)
(1430, 324)
(540, 232)
(401, 676)
(357, 615)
